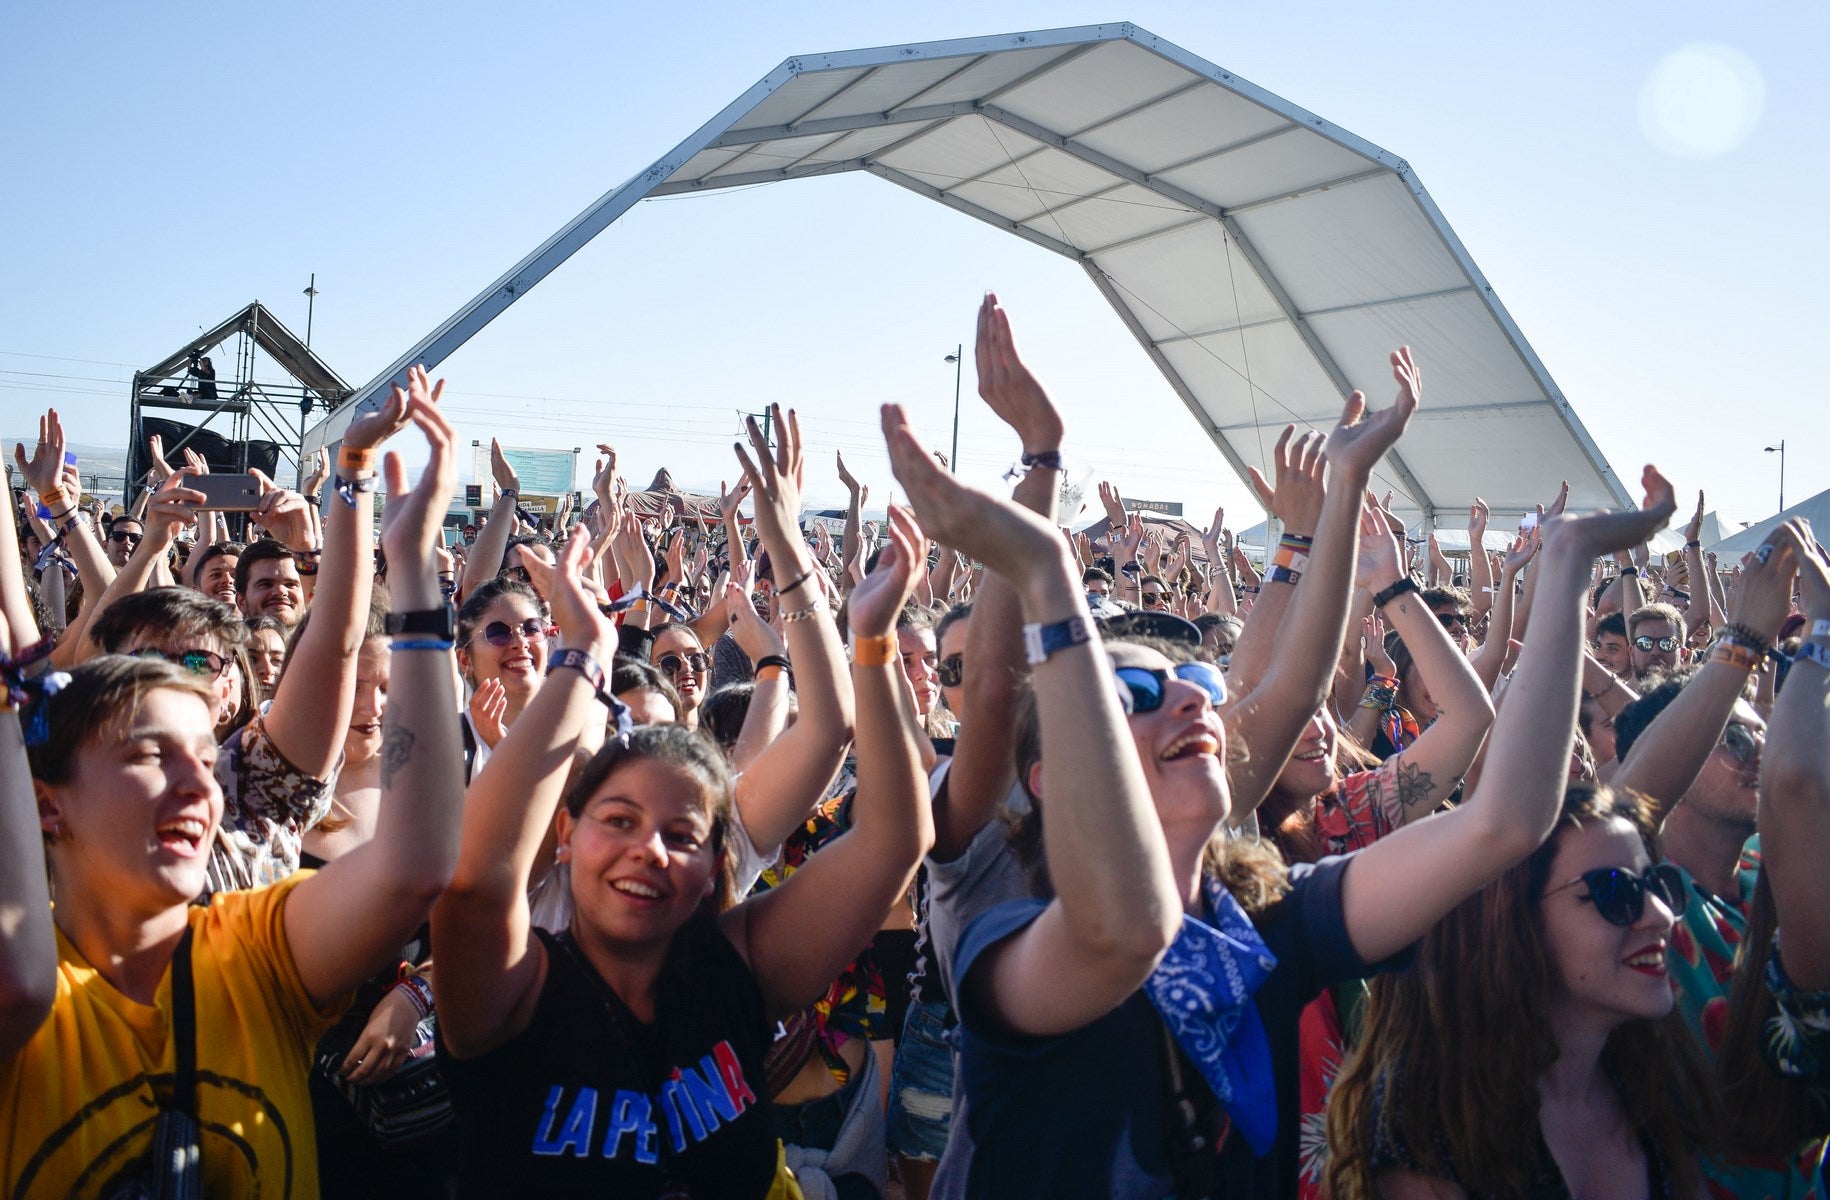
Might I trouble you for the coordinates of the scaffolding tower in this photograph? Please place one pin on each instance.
(251, 417)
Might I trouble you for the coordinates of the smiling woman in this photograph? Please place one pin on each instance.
(1602, 1084)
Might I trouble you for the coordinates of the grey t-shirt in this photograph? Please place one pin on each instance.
(986, 875)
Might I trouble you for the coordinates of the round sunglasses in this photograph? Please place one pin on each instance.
(1619, 895)
(206, 663)
(1645, 645)
(671, 664)
(1145, 687)
(501, 633)
(951, 670)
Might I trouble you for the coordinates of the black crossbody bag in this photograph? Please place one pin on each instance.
(174, 1166)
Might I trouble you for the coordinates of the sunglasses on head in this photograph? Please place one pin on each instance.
(1645, 645)
(951, 670)
(1620, 896)
(501, 633)
(207, 663)
(1145, 687)
(125, 535)
(671, 664)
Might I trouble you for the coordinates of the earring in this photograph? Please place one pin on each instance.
(562, 853)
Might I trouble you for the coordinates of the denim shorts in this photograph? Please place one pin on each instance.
(921, 1085)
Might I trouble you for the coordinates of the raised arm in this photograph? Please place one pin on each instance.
(1492, 655)
(1480, 567)
(1118, 906)
(1702, 611)
(484, 562)
(311, 708)
(1272, 717)
(1296, 502)
(1429, 768)
(1670, 752)
(1795, 782)
(799, 936)
(350, 919)
(28, 948)
(172, 507)
(786, 780)
(1401, 885)
(982, 772)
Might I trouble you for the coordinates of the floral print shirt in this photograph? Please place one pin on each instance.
(267, 805)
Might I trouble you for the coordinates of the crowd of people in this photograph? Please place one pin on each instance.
(954, 855)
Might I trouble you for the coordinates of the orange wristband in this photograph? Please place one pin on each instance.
(873, 651)
(351, 458)
(776, 667)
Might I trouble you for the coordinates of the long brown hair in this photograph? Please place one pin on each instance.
(1429, 1078)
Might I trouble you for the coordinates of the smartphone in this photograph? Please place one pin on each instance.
(1528, 522)
(227, 493)
(453, 537)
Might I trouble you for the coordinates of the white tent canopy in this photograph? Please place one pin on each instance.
(1815, 510)
(1266, 259)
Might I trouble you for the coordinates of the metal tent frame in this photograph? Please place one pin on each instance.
(1264, 258)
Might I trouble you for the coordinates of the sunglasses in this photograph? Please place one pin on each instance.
(206, 663)
(1451, 620)
(1620, 896)
(1144, 687)
(122, 535)
(501, 633)
(1645, 645)
(951, 670)
(1742, 743)
(671, 664)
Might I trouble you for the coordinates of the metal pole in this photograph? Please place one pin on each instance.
(958, 359)
(311, 306)
(1781, 449)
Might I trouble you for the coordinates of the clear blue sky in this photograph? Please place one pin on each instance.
(168, 163)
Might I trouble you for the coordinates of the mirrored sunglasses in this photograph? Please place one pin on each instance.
(1145, 687)
(1645, 645)
(207, 663)
(501, 633)
(671, 664)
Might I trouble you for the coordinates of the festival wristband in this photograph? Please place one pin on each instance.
(1813, 652)
(1040, 641)
(422, 644)
(873, 651)
(355, 459)
(1820, 628)
(1283, 574)
(1735, 654)
(773, 662)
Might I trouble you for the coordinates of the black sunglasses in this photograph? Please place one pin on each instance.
(1620, 896)
(1153, 598)
(1645, 644)
(206, 663)
(670, 664)
(1144, 687)
(1450, 620)
(951, 670)
(501, 633)
(127, 536)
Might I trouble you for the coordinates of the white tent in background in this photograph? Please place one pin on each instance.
(1730, 549)
(1266, 259)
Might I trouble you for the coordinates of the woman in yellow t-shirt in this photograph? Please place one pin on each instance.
(120, 801)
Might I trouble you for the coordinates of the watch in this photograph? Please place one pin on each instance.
(438, 622)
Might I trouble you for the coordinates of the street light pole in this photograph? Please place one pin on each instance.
(1781, 450)
(958, 359)
(311, 306)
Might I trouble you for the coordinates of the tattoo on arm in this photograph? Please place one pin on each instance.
(396, 749)
(1415, 785)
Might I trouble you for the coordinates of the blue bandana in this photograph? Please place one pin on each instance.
(1203, 991)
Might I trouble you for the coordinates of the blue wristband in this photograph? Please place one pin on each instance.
(422, 644)
(1040, 641)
